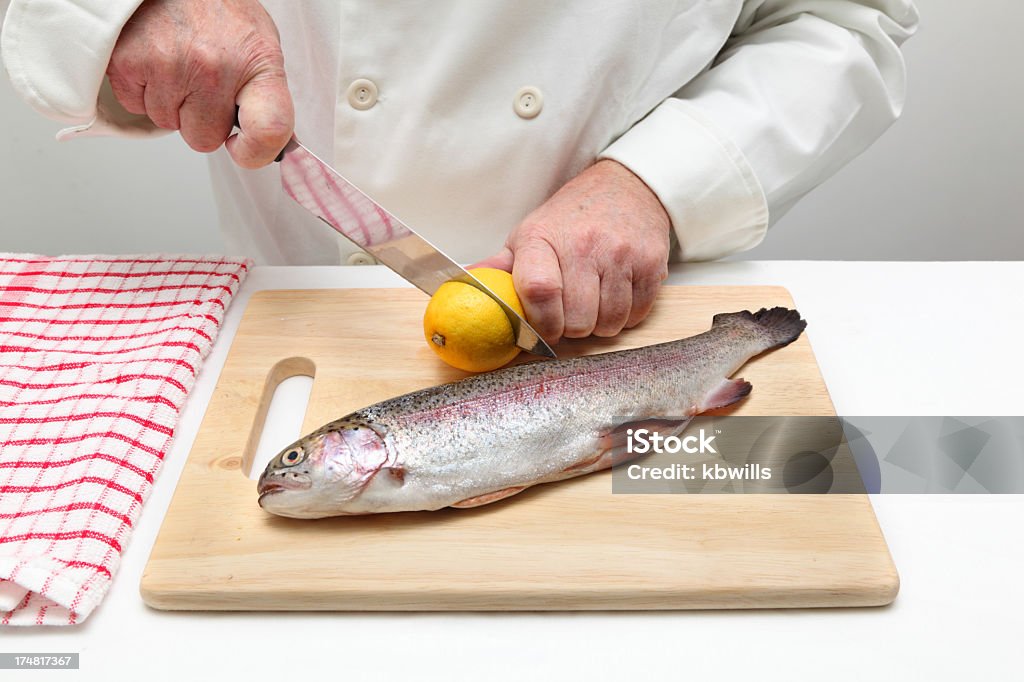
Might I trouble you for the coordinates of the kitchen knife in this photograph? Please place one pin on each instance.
(323, 191)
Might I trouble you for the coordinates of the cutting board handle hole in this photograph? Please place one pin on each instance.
(280, 413)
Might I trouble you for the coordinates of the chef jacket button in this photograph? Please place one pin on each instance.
(362, 94)
(361, 258)
(528, 102)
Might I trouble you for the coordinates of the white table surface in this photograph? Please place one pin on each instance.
(891, 339)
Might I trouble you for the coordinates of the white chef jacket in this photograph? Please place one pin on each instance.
(468, 114)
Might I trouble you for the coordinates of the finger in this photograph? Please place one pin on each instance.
(128, 92)
(644, 292)
(267, 118)
(581, 298)
(537, 278)
(162, 105)
(500, 261)
(615, 305)
(207, 119)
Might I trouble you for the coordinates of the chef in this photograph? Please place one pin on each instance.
(581, 144)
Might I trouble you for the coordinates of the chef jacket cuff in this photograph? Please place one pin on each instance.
(701, 177)
(56, 54)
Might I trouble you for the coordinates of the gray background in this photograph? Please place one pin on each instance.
(943, 184)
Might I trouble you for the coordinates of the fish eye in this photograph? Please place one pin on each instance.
(292, 456)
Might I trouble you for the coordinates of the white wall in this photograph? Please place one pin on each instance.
(99, 195)
(944, 183)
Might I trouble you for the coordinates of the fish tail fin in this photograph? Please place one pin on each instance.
(777, 327)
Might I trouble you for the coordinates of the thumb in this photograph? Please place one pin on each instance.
(266, 117)
(501, 261)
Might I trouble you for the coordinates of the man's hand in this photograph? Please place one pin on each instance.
(590, 260)
(186, 63)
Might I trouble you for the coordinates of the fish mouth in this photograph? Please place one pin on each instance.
(271, 486)
(269, 489)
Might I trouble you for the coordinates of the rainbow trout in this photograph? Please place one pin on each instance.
(492, 435)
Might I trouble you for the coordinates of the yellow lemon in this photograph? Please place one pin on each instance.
(467, 328)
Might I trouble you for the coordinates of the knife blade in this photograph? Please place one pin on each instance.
(325, 193)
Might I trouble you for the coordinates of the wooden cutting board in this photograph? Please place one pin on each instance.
(568, 545)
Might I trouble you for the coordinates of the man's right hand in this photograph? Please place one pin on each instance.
(186, 64)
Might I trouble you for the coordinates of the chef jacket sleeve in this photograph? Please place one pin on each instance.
(56, 54)
(799, 89)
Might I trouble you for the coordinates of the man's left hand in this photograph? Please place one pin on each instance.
(591, 259)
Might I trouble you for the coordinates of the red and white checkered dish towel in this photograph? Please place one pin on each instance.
(97, 355)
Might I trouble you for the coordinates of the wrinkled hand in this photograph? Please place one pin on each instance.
(186, 63)
(591, 259)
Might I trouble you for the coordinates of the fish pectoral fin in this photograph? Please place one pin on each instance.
(726, 393)
(397, 473)
(487, 498)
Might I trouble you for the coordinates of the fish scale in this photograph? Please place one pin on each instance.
(490, 436)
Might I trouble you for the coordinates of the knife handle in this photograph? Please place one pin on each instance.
(239, 126)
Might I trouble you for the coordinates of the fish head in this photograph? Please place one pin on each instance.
(320, 474)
